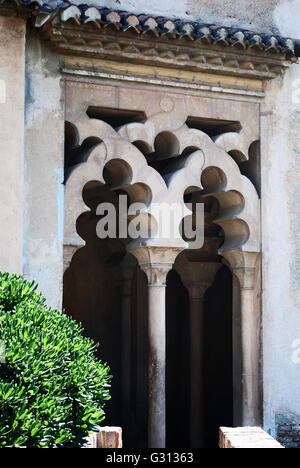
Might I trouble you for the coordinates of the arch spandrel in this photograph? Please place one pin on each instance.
(172, 115)
(87, 127)
(236, 143)
(214, 156)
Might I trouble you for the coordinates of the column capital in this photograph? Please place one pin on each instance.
(198, 277)
(155, 261)
(243, 265)
(157, 273)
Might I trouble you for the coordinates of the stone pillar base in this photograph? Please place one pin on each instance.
(246, 437)
(108, 438)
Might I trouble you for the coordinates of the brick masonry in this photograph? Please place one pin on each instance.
(288, 430)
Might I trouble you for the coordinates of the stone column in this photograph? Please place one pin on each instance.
(245, 266)
(197, 277)
(156, 262)
(128, 267)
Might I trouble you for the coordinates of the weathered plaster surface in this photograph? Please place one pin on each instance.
(287, 17)
(12, 45)
(44, 173)
(280, 233)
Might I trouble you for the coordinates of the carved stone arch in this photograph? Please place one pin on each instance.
(133, 175)
(171, 115)
(241, 228)
(236, 144)
(247, 220)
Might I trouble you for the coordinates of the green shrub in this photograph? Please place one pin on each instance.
(52, 388)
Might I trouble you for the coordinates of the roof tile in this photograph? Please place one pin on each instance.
(46, 10)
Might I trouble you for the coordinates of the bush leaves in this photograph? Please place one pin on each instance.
(52, 387)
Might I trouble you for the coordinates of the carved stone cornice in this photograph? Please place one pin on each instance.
(194, 56)
(99, 32)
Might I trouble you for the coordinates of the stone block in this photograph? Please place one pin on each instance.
(107, 437)
(246, 437)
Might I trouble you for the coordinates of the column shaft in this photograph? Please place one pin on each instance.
(156, 261)
(245, 266)
(157, 366)
(196, 369)
(128, 267)
(250, 353)
(126, 358)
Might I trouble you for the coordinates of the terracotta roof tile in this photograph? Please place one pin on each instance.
(46, 10)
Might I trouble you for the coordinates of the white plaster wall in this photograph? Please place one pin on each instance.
(281, 234)
(44, 162)
(12, 67)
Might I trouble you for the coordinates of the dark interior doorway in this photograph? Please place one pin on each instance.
(218, 363)
(93, 296)
(218, 360)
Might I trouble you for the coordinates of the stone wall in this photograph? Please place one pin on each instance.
(288, 430)
(12, 83)
(44, 170)
(280, 123)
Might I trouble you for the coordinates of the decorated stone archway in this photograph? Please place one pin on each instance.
(198, 165)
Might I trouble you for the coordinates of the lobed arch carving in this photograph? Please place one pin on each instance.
(188, 171)
(118, 164)
(237, 144)
(115, 158)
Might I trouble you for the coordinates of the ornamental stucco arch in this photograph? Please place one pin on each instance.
(184, 172)
(206, 168)
(214, 154)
